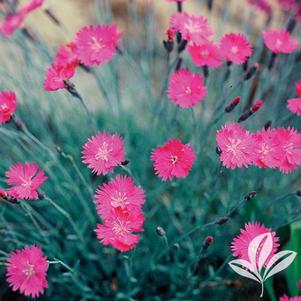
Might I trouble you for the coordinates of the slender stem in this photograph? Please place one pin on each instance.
(262, 289)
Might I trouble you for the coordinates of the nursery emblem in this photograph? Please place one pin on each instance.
(262, 264)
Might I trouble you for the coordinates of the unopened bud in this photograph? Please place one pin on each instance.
(291, 25)
(126, 162)
(251, 72)
(168, 45)
(250, 195)
(258, 104)
(210, 4)
(222, 220)
(160, 231)
(254, 108)
(298, 193)
(208, 241)
(3, 194)
(267, 125)
(182, 46)
(299, 284)
(233, 104)
(218, 150)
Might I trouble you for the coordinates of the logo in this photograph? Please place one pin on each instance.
(262, 264)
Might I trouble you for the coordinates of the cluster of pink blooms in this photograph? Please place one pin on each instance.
(92, 46)
(294, 104)
(240, 243)
(12, 22)
(268, 148)
(286, 298)
(173, 159)
(26, 271)
(119, 203)
(8, 105)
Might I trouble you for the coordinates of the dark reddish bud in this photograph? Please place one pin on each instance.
(291, 25)
(245, 65)
(255, 107)
(180, 7)
(170, 34)
(3, 194)
(179, 37)
(233, 104)
(210, 4)
(182, 46)
(268, 125)
(222, 220)
(299, 284)
(209, 240)
(298, 193)
(126, 162)
(206, 71)
(250, 195)
(251, 72)
(168, 45)
(218, 150)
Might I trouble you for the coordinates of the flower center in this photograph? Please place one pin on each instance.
(120, 227)
(265, 149)
(192, 27)
(96, 44)
(27, 182)
(205, 53)
(234, 49)
(188, 91)
(278, 43)
(288, 148)
(232, 147)
(29, 270)
(103, 152)
(120, 200)
(4, 107)
(174, 159)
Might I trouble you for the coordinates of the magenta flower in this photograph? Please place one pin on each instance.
(262, 5)
(266, 149)
(298, 88)
(193, 28)
(206, 54)
(8, 105)
(118, 231)
(289, 149)
(173, 159)
(294, 105)
(97, 45)
(26, 271)
(279, 41)
(241, 243)
(186, 89)
(235, 48)
(56, 76)
(32, 5)
(237, 146)
(286, 298)
(103, 152)
(119, 194)
(26, 180)
(66, 57)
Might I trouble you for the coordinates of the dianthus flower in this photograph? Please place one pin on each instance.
(103, 152)
(236, 145)
(279, 41)
(262, 5)
(241, 243)
(25, 179)
(235, 48)
(186, 89)
(298, 88)
(193, 28)
(286, 298)
(294, 105)
(66, 57)
(119, 194)
(27, 270)
(173, 159)
(8, 105)
(206, 54)
(96, 45)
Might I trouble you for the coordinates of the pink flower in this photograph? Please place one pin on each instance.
(26, 180)
(298, 88)
(97, 45)
(176, 0)
(206, 54)
(120, 194)
(287, 4)
(286, 298)
(193, 28)
(186, 89)
(279, 41)
(266, 149)
(103, 152)
(241, 242)
(8, 105)
(235, 48)
(289, 149)
(66, 57)
(11, 23)
(118, 230)
(56, 76)
(26, 271)
(173, 159)
(237, 146)
(262, 5)
(294, 105)
(32, 5)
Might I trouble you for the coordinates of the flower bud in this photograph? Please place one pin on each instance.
(250, 196)
(291, 25)
(267, 125)
(258, 104)
(222, 220)
(299, 284)
(125, 162)
(218, 150)
(208, 241)
(298, 193)
(168, 45)
(233, 104)
(251, 72)
(160, 231)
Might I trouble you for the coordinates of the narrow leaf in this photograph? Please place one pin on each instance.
(243, 272)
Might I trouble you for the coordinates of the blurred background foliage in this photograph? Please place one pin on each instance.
(127, 96)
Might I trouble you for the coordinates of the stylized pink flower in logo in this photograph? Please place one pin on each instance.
(262, 263)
